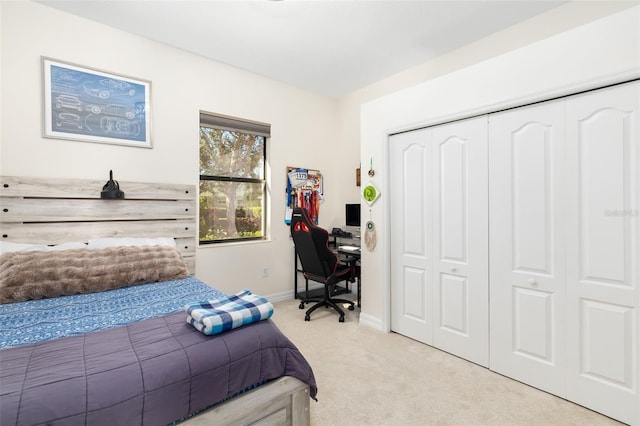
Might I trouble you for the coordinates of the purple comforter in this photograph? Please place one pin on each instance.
(150, 372)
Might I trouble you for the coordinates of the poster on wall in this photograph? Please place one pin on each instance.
(88, 105)
(304, 189)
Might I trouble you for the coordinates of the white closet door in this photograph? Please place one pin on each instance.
(603, 248)
(460, 240)
(526, 235)
(410, 216)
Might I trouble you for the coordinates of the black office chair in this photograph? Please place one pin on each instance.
(319, 263)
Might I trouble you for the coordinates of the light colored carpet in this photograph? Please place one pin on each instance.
(370, 378)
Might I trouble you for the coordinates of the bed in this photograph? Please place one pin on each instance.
(125, 354)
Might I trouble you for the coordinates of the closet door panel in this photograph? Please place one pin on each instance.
(527, 293)
(603, 251)
(460, 238)
(411, 247)
(532, 241)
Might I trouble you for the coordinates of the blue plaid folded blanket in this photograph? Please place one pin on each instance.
(228, 312)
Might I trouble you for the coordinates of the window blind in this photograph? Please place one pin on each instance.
(217, 121)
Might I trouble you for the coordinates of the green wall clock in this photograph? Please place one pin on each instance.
(370, 193)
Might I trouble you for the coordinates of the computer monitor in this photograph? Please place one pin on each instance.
(352, 214)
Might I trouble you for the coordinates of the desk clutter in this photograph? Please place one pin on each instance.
(338, 232)
(344, 241)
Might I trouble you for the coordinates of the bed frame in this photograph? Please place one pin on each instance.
(53, 211)
(284, 401)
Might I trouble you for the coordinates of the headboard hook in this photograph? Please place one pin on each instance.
(111, 189)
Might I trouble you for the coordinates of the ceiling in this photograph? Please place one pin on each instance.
(331, 47)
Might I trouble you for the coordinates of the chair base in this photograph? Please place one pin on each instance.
(329, 303)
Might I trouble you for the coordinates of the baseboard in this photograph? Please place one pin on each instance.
(287, 295)
(371, 322)
(366, 320)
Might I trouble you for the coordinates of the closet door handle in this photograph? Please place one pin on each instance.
(533, 282)
(454, 269)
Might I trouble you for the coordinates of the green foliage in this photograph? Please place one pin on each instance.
(233, 154)
(224, 156)
(214, 226)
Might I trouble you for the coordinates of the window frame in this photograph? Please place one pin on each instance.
(248, 127)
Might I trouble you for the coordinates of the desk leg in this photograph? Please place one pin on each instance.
(306, 288)
(295, 274)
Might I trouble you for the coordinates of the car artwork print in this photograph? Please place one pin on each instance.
(95, 106)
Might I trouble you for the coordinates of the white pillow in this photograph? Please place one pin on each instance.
(101, 243)
(7, 246)
(67, 246)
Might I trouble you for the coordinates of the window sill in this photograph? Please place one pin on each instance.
(232, 243)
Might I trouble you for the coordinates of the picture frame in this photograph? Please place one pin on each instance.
(90, 105)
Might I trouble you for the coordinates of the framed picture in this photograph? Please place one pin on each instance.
(89, 105)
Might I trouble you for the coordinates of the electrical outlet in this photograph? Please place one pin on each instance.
(265, 272)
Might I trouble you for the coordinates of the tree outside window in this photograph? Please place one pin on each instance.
(232, 184)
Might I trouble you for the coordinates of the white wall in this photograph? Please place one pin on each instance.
(308, 130)
(303, 128)
(552, 22)
(604, 51)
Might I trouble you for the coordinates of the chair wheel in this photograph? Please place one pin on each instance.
(341, 319)
(301, 305)
(351, 308)
(307, 318)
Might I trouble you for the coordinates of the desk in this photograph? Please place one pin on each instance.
(352, 251)
(351, 257)
(338, 239)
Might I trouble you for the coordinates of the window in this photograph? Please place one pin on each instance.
(233, 190)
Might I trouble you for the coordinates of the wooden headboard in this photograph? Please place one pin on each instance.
(54, 211)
